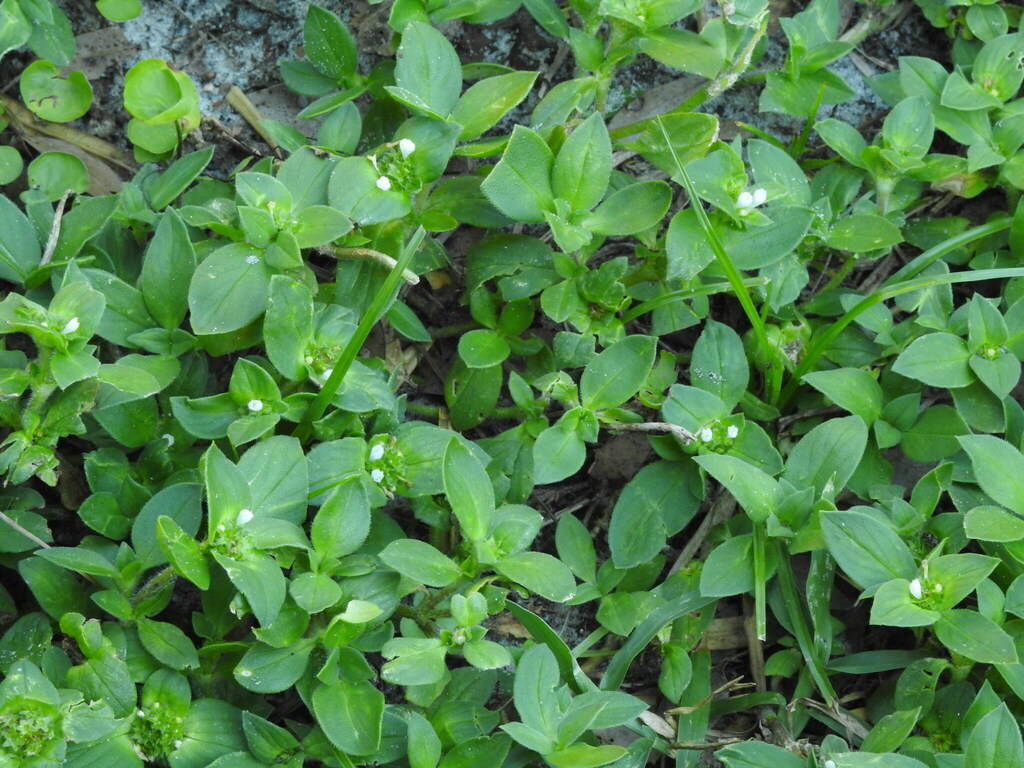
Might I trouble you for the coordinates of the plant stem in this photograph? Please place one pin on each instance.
(822, 343)
(369, 254)
(348, 355)
(760, 542)
(153, 586)
(794, 605)
(773, 372)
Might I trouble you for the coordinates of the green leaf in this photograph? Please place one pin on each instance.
(343, 522)
(869, 551)
(478, 751)
(585, 756)
(558, 451)
(276, 473)
(893, 606)
(428, 67)
(584, 165)
(533, 689)
(350, 715)
(975, 636)
(19, 246)
(520, 184)
(631, 209)
(420, 562)
(167, 268)
(863, 232)
(228, 290)
(468, 489)
(933, 436)
(314, 592)
(424, 749)
(988, 523)
(852, 389)
(53, 97)
(264, 669)
(938, 360)
(757, 492)
(541, 573)
(168, 644)
(617, 373)
(995, 741)
(483, 348)
(729, 569)
(182, 552)
(826, 457)
(486, 102)
(258, 577)
(998, 468)
(889, 733)
(658, 501)
(575, 547)
(691, 135)
(719, 363)
(758, 754)
(163, 188)
(81, 560)
(419, 661)
(328, 44)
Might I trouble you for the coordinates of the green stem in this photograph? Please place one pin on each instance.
(794, 605)
(152, 587)
(686, 293)
(822, 343)
(348, 355)
(760, 614)
(773, 372)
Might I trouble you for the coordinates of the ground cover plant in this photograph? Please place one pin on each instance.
(261, 507)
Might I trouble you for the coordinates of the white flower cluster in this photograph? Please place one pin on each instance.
(406, 147)
(747, 201)
(707, 435)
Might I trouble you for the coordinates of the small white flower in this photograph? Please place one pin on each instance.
(732, 432)
(377, 475)
(406, 147)
(916, 591)
(255, 405)
(383, 183)
(829, 764)
(706, 435)
(244, 516)
(377, 452)
(252, 258)
(140, 713)
(746, 201)
(169, 438)
(70, 326)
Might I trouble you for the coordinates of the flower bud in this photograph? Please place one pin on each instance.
(760, 196)
(406, 147)
(745, 200)
(707, 435)
(255, 406)
(70, 326)
(916, 590)
(377, 475)
(732, 432)
(244, 516)
(377, 452)
(384, 183)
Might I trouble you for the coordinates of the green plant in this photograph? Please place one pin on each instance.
(240, 533)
